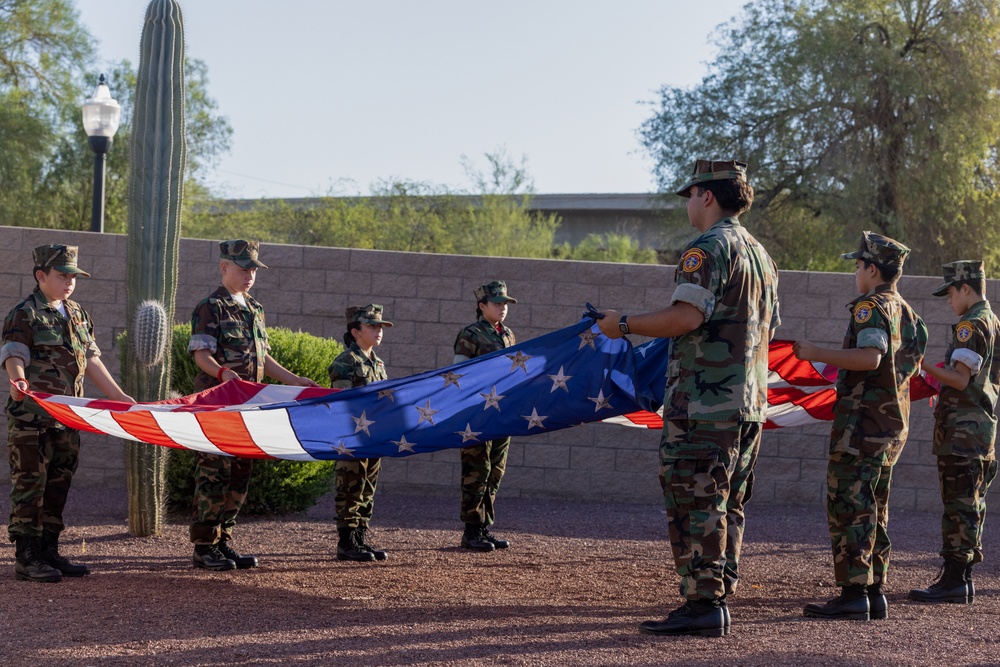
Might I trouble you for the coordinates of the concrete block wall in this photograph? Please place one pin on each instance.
(429, 298)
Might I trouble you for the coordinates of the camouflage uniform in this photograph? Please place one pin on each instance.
(55, 349)
(715, 401)
(965, 424)
(235, 335)
(483, 465)
(356, 480)
(871, 421)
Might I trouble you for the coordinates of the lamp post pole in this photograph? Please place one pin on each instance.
(101, 115)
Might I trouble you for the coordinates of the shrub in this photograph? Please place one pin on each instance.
(278, 487)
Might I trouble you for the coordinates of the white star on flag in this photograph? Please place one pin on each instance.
(587, 339)
(362, 423)
(426, 413)
(387, 393)
(342, 449)
(492, 399)
(559, 381)
(451, 378)
(601, 402)
(519, 361)
(468, 433)
(403, 445)
(534, 419)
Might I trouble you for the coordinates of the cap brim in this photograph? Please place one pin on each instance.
(685, 190)
(71, 269)
(249, 263)
(501, 299)
(851, 255)
(942, 290)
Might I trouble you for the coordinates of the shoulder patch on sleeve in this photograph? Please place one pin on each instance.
(863, 311)
(964, 331)
(692, 260)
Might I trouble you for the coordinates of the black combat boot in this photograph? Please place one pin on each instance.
(851, 604)
(968, 581)
(29, 565)
(696, 617)
(473, 539)
(50, 554)
(725, 615)
(490, 537)
(950, 586)
(348, 547)
(242, 562)
(209, 557)
(878, 606)
(363, 543)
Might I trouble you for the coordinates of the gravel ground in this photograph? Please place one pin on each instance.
(578, 579)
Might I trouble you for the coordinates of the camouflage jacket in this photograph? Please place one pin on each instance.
(718, 372)
(54, 350)
(481, 338)
(352, 368)
(965, 422)
(233, 333)
(872, 413)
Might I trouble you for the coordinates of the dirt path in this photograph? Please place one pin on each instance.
(578, 579)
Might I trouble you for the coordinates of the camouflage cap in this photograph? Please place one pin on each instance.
(706, 170)
(62, 258)
(956, 272)
(370, 314)
(879, 249)
(241, 252)
(495, 292)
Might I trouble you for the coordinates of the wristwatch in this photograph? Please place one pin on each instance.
(623, 325)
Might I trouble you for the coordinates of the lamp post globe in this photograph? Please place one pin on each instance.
(101, 115)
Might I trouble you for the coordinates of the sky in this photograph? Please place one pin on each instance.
(332, 97)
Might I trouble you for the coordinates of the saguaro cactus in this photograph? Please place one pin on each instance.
(156, 188)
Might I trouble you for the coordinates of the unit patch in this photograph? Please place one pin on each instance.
(863, 311)
(692, 259)
(963, 331)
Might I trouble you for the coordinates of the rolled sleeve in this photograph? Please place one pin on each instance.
(202, 342)
(13, 349)
(92, 350)
(697, 296)
(971, 359)
(874, 337)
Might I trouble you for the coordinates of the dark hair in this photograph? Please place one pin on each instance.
(348, 336)
(44, 269)
(479, 307)
(978, 285)
(734, 196)
(889, 273)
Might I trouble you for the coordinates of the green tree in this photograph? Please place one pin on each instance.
(48, 67)
(853, 114)
(609, 247)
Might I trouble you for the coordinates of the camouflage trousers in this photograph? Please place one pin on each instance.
(706, 471)
(964, 483)
(355, 492)
(857, 507)
(42, 463)
(221, 484)
(482, 469)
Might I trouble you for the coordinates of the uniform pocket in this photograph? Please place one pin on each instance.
(50, 335)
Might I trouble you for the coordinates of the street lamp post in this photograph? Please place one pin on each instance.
(101, 115)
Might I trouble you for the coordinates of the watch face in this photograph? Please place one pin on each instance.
(623, 325)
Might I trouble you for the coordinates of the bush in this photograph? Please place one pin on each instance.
(277, 487)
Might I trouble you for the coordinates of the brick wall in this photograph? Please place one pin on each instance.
(429, 298)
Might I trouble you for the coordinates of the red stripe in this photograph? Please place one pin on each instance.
(227, 431)
(142, 425)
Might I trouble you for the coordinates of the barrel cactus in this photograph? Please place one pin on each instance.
(156, 188)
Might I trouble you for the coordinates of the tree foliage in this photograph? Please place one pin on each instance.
(853, 114)
(48, 66)
(493, 220)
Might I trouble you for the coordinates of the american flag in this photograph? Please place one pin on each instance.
(566, 378)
